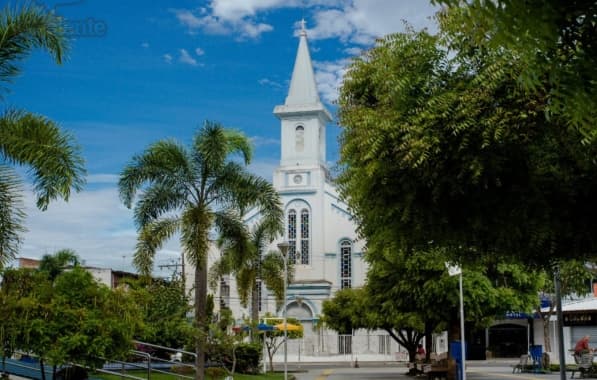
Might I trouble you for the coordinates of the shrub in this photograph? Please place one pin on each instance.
(248, 356)
(215, 373)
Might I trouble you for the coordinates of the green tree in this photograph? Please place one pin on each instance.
(56, 263)
(89, 322)
(439, 146)
(72, 320)
(404, 293)
(574, 281)
(273, 339)
(21, 291)
(26, 139)
(193, 191)
(554, 39)
(246, 258)
(164, 307)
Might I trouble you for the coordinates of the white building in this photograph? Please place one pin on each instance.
(323, 243)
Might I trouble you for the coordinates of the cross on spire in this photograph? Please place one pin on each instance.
(303, 27)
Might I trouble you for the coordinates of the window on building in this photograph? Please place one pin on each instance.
(300, 138)
(345, 264)
(292, 236)
(305, 237)
(224, 294)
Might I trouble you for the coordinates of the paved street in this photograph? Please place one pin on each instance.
(477, 370)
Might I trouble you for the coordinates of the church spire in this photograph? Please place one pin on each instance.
(303, 89)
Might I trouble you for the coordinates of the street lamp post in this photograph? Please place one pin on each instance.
(454, 270)
(283, 247)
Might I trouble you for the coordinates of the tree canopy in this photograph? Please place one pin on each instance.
(555, 41)
(73, 319)
(439, 145)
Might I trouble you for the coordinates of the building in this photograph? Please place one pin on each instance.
(109, 277)
(324, 248)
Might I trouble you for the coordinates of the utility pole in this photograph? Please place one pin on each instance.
(175, 265)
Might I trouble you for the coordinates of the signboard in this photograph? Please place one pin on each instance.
(588, 318)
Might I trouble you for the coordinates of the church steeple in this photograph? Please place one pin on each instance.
(303, 116)
(303, 88)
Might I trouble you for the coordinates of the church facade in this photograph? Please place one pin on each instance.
(323, 245)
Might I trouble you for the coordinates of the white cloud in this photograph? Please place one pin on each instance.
(199, 52)
(186, 58)
(355, 21)
(167, 58)
(362, 21)
(329, 76)
(145, 45)
(261, 141)
(94, 223)
(269, 82)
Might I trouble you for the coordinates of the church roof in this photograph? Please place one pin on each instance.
(303, 88)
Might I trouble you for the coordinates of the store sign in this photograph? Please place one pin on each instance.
(518, 315)
(580, 319)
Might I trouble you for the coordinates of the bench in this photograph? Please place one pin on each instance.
(522, 365)
(435, 372)
(584, 365)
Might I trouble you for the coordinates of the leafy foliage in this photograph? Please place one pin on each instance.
(243, 254)
(164, 307)
(439, 145)
(411, 295)
(554, 40)
(74, 319)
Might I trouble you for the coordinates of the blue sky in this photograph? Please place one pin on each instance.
(140, 71)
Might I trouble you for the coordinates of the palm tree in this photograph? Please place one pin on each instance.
(55, 264)
(26, 139)
(247, 261)
(194, 192)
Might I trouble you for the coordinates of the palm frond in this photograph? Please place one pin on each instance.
(214, 146)
(196, 224)
(25, 28)
(55, 160)
(238, 143)
(218, 269)
(272, 273)
(210, 149)
(150, 240)
(245, 190)
(11, 214)
(164, 162)
(245, 278)
(234, 240)
(157, 200)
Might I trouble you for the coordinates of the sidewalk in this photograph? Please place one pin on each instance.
(477, 370)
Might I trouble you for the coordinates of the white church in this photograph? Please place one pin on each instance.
(324, 248)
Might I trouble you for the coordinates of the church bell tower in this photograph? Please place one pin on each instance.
(303, 119)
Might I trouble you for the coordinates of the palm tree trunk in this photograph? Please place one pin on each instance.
(200, 317)
(254, 313)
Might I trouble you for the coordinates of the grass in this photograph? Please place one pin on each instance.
(162, 376)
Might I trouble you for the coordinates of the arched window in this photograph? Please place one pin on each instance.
(299, 138)
(292, 236)
(305, 237)
(345, 264)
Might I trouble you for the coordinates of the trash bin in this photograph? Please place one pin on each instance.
(536, 352)
(456, 353)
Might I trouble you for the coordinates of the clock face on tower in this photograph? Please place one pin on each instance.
(297, 179)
